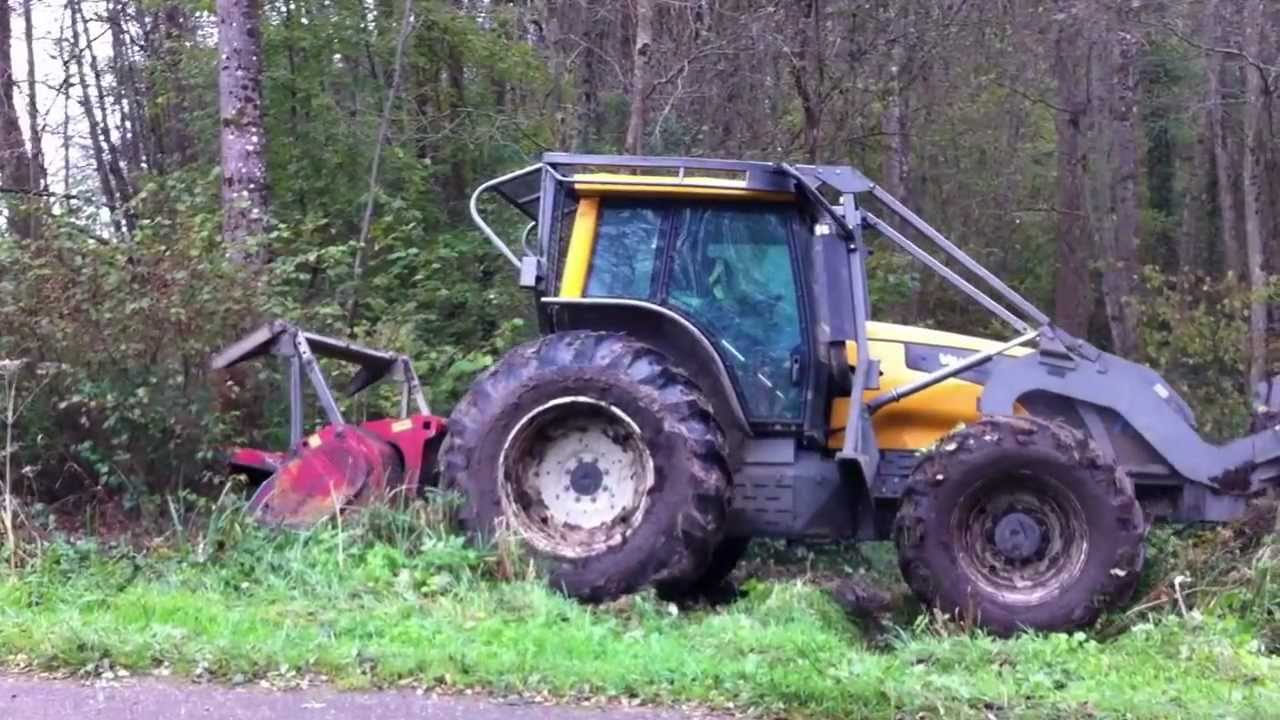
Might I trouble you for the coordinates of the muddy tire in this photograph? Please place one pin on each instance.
(603, 457)
(713, 584)
(1017, 523)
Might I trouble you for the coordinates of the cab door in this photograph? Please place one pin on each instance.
(732, 272)
(729, 268)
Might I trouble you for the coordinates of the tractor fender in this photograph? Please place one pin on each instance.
(1142, 399)
(673, 335)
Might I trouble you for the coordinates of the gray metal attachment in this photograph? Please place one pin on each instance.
(298, 350)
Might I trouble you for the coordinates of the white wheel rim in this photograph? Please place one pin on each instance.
(575, 476)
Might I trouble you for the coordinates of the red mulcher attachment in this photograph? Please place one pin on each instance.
(339, 465)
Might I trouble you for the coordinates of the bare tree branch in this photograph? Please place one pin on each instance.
(1269, 73)
(363, 245)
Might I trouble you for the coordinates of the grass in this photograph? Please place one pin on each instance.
(388, 599)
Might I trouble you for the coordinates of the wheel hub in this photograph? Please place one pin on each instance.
(575, 476)
(1018, 536)
(1021, 537)
(586, 477)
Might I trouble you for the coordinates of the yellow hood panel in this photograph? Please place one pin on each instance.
(920, 420)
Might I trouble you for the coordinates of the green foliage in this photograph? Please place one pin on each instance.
(1193, 331)
(130, 326)
(132, 320)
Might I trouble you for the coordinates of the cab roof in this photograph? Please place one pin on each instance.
(650, 176)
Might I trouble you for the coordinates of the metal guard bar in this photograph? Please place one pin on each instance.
(484, 226)
(947, 373)
(951, 249)
(947, 246)
(947, 273)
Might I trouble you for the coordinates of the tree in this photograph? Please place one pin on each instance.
(1223, 165)
(808, 69)
(897, 162)
(1111, 179)
(1073, 294)
(33, 108)
(641, 75)
(16, 166)
(243, 137)
(99, 117)
(1253, 187)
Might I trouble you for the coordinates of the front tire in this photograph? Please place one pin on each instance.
(1017, 523)
(602, 456)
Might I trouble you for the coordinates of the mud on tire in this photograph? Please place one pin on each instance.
(635, 397)
(1017, 523)
(713, 584)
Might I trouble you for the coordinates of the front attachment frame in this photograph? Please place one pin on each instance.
(299, 349)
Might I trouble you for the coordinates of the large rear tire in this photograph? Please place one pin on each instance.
(602, 456)
(1017, 523)
(714, 583)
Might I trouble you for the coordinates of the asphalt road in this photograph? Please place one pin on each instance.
(27, 698)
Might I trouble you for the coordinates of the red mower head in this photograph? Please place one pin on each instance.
(341, 465)
(335, 468)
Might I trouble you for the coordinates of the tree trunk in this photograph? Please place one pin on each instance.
(892, 122)
(808, 76)
(1072, 289)
(1112, 175)
(175, 137)
(123, 188)
(243, 140)
(544, 36)
(586, 125)
(641, 76)
(129, 95)
(15, 161)
(1224, 170)
(1253, 176)
(1194, 225)
(33, 107)
(105, 181)
(456, 181)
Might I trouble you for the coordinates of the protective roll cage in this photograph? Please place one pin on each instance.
(531, 190)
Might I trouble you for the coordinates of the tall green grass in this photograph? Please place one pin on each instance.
(394, 596)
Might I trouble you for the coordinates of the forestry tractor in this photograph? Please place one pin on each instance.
(708, 371)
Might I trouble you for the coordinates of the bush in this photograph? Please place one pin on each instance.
(130, 325)
(1193, 331)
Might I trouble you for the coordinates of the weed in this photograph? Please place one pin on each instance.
(11, 374)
